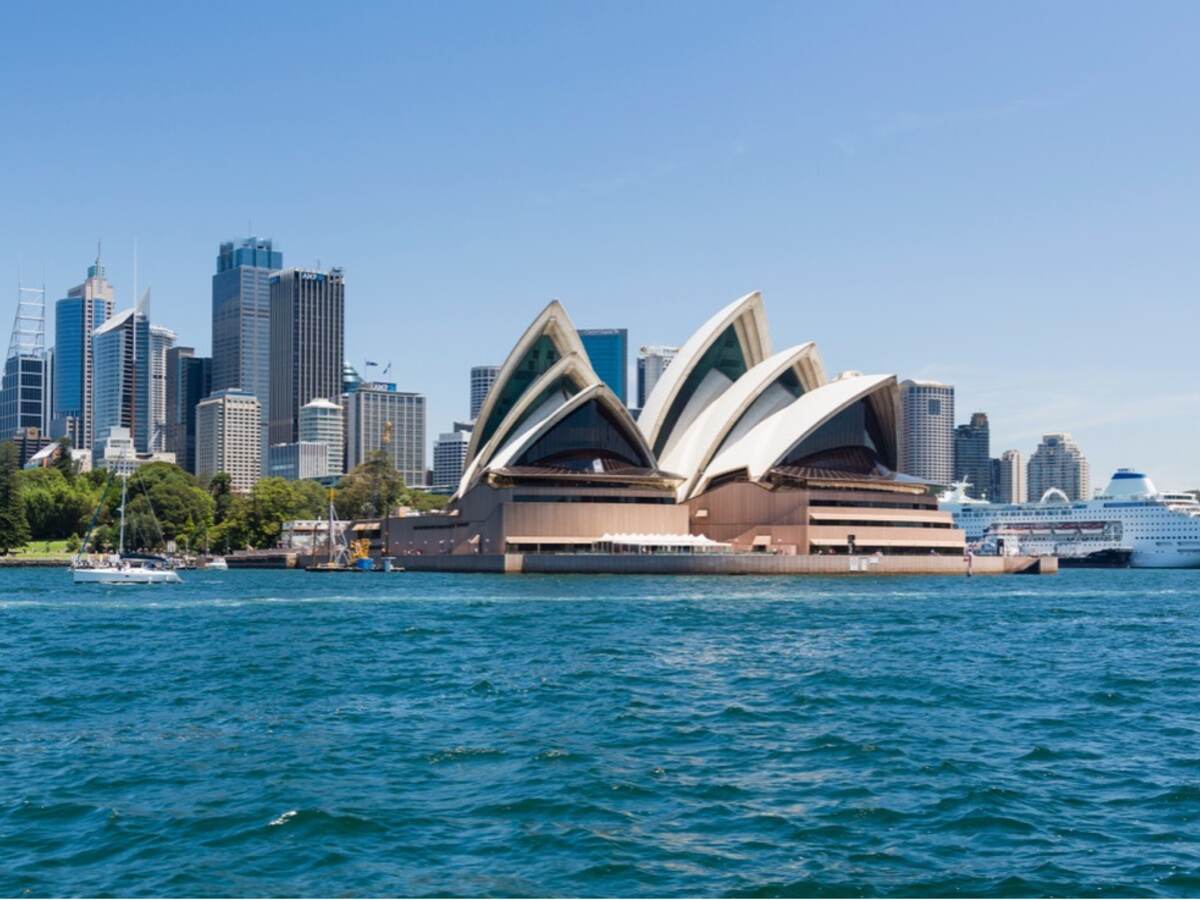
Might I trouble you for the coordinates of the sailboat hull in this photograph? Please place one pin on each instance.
(104, 575)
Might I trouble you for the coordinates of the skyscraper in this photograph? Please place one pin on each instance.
(608, 351)
(378, 417)
(973, 455)
(48, 393)
(1059, 463)
(241, 318)
(927, 412)
(228, 437)
(162, 339)
(652, 362)
(482, 378)
(76, 318)
(23, 386)
(449, 460)
(307, 345)
(323, 422)
(189, 380)
(121, 383)
(1008, 485)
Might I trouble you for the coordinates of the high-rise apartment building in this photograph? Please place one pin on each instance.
(1059, 463)
(189, 380)
(162, 339)
(652, 362)
(378, 417)
(482, 378)
(927, 413)
(23, 385)
(241, 318)
(973, 455)
(228, 437)
(1008, 478)
(76, 318)
(307, 345)
(323, 422)
(121, 379)
(449, 460)
(608, 352)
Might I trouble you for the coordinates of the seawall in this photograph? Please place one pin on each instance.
(726, 564)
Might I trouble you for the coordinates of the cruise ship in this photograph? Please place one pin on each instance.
(1130, 518)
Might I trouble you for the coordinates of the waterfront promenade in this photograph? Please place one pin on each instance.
(727, 564)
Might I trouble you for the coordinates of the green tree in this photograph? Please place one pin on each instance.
(220, 488)
(372, 489)
(423, 501)
(63, 462)
(164, 504)
(375, 488)
(55, 507)
(256, 520)
(14, 528)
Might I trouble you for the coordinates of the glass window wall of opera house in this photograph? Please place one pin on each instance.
(737, 446)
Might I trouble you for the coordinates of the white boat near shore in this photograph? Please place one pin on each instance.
(123, 568)
(126, 571)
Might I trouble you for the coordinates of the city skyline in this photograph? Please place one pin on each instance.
(944, 189)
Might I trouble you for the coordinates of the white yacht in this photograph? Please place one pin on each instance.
(123, 568)
(1130, 517)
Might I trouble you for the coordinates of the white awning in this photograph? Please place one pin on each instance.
(660, 540)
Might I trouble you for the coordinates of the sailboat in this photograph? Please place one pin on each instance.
(336, 560)
(124, 568)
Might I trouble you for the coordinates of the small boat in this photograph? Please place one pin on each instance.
(217, 562)
(338, 551)
(124, 568)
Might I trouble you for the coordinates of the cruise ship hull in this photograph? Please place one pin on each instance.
(1171, 559)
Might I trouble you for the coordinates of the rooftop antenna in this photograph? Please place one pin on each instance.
(135, 273)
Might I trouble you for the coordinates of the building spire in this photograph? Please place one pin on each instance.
(97, 269)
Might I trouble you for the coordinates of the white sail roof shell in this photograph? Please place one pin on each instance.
(691, 451)
(552, 411)
(554, 323)
(766, 444)
(747, 314)
(573, 365)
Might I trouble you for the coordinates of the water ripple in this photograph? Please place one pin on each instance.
(267, 733)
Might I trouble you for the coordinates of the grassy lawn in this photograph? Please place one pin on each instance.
(43, 550)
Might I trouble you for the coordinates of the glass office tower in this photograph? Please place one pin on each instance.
(608, 351)
(76, 318)
(241, 318)
(121, 392)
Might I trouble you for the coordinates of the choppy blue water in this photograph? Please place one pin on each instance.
(259, 733)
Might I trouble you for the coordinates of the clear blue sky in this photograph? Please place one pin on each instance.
(1005, 197)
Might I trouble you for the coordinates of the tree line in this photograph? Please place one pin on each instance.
(165, 503)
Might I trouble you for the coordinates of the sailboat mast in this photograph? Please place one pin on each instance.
(331, 525)
(124, 487)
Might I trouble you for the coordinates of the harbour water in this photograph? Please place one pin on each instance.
(280, 733)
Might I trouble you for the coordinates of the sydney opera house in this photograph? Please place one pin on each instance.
(738, 448)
